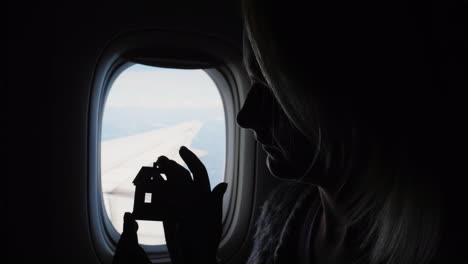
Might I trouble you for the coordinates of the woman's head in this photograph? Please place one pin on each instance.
(354, 86)
(297, 79)
(343, 72)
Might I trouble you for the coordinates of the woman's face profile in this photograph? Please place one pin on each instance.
(289, 153)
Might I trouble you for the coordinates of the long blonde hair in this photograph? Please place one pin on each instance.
(393, 196)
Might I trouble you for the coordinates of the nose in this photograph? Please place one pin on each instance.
(256, 112)
(244, 117)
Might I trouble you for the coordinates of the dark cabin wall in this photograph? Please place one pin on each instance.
(52, 51)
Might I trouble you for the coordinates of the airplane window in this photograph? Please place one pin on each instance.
(151, 112)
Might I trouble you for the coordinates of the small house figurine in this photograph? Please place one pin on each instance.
(157, 199)
(149, 195)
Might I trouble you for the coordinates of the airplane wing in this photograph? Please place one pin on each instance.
(122, 158)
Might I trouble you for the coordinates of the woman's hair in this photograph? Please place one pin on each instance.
(362, 82)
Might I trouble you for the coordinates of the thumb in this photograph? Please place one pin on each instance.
(130, 224)
(129, 237)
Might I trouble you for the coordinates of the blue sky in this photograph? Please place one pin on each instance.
(150, 87)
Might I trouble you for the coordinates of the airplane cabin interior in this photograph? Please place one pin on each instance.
(97, 91)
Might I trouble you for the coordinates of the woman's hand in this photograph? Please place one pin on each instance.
(196, 236)
(128, 250)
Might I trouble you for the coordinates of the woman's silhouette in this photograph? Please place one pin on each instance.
(342, 101)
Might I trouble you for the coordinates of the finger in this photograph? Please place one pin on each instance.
(200, 175)
(130, 224)
(174, 172)
(218, 194)
(156, 175)
(170, 233)
(217, 203)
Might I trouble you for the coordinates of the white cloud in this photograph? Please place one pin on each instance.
(150, 87)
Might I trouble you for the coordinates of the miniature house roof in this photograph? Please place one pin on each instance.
(144, 175)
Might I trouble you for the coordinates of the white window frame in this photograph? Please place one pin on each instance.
(223, 63)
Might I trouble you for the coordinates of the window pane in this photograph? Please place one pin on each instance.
(151, 112)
